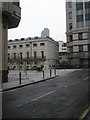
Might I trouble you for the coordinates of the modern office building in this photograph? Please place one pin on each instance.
(42, 49)
(62, 51)
(45, 32)
(78, 32)
(10, 15)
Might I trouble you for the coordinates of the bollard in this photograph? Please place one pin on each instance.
(43, 74)
(55, 71)
(19, 77)
(50, 73)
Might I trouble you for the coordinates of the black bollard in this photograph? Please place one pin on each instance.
(19, 77)
(43, 74)
(50, 72)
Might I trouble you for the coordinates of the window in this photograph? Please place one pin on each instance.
(70, 26)
(79, 5)
(42, 54)
(27, 55)
(20, 55)
(8, 56)
(14, 57)
(34, 54)
(88, 23)
(71, 38)
(42, 44)
(80, 36)
(20, 46)
(79, 12)
(89, 48)
(71, 49)
(87, 4)
(35, 45)
(14, 46)
(69, 4)
(8, 47)
(27, 45)
(88, 34)
(79, 24)
(80, 48)
(70, 15)
(79, 18)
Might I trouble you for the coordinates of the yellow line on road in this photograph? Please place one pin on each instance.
(85, 113)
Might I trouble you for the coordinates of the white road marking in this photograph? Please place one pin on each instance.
(37, 98)
(85, 78)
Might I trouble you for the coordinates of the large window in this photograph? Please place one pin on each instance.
(20, 46)
(79, 12)
(79, 24)
(42, 44)
(14, 56)
(79, 5)
(27, 55)
(20, 55)
(14, 46)
(35, 54)
(42, 54)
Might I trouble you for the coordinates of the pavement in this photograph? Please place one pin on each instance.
(31, 77)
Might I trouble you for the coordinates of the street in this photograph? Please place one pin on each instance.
(62, 97)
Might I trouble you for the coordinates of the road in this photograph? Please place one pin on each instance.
(62, 97)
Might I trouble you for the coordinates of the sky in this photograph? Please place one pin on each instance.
(39, 14)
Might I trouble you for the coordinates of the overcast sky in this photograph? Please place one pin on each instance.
(39, 14)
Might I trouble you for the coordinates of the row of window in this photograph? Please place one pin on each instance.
(80, 48)
(80, 36)
(27, 55)
(27, 45)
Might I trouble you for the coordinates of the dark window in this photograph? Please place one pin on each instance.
(79, 18)
(89, 48)
(79, 24)
(34, 54)
(20, 46)
(22, 38)
(27, 45)
(14, 46)
(88, 34)
(70, 26)
(27, 55)
(81, 62)
(16, 3)
(69, 4)
(42, 44)
(79, 5)
(71, 49)
(14, 57)
(80, 36)
(42, 54)
(20, 55)
(71, 38)
(87, 16)
(80, 48)
(87, 4)
(70, 15)
(8, 47)
(79, 12)
(35, 45)
(8, 56)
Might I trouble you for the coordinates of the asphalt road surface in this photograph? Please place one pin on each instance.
(62, 97)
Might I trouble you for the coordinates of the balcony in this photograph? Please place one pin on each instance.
(12, 12)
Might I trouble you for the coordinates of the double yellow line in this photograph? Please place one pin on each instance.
(85, 113)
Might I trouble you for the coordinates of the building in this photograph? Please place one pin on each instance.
(45, 32)
(62, 52)
(43, 49)
(78, 32)
(10, 15)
